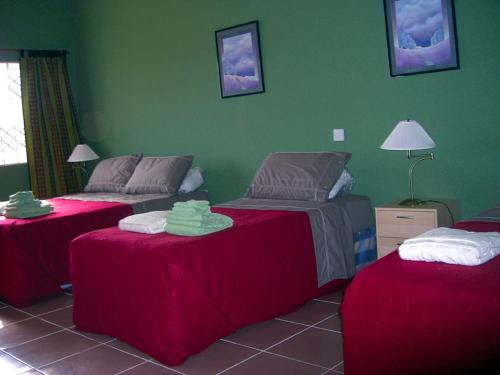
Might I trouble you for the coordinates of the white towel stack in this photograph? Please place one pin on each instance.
(151, 222)
(454, 246)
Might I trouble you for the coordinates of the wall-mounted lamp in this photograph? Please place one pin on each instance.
(409, 135)
(81, 154)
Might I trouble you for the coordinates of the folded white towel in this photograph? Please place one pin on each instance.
(150, 222)
(454, 246)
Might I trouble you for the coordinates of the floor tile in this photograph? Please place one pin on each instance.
(11, 366)
(102, 360)
(217, 357)
(312, 312)
(268, 364)
(62, 317)
(10, 315)
(263, 335)
(128, 348)
(94, 336)
(51, 348)
(18, 333)
(333, 296)
(149, 369)
(49, 304)
(315, 346)
(339, 369)
(333, 323)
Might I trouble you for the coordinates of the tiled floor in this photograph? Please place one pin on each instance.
(40, 339)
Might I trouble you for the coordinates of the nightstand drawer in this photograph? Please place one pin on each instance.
(387, 245)
(404, 223)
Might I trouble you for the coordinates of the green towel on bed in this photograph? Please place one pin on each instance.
(23, 205)
(26, 212)
(194, 218)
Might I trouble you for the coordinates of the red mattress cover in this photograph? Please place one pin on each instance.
(172, 296)
(34, 259)
(407, 317)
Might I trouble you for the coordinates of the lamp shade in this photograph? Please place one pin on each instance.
(82, 153)
(408, 135)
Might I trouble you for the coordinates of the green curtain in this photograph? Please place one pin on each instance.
(50, 124)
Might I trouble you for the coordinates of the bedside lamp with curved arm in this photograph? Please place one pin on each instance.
(409, 136)
(81, 154)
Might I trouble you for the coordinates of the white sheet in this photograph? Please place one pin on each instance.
(452, 246)
(150, 222)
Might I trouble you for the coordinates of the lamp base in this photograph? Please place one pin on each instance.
(411, 202)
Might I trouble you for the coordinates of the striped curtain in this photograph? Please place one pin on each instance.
(50, 124)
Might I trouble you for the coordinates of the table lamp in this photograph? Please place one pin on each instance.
(81, 154)
(409, 135)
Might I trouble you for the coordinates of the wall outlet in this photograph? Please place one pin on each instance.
(338, 135)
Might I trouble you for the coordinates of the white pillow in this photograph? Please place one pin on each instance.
(344, 184)
(192, 181)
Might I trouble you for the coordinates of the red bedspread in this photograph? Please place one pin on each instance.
(406, 317)
(34, 259)
(172, 296)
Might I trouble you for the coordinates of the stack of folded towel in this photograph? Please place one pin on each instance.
(194, 218)
(23, 205)
(150, 222)
(454, 246)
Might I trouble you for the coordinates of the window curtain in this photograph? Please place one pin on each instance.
(50, 123)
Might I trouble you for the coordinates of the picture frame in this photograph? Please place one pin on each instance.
(239, 60)
(421, 36)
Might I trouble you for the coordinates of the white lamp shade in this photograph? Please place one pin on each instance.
(82, 153)
(408, 135)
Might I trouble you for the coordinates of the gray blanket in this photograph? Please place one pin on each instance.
(331, 228)
(141, 202)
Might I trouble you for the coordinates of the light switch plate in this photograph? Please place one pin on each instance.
(338, 135)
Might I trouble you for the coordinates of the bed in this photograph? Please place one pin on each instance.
(34, 260)
(408, 317)
(281, 252)
(263, 266)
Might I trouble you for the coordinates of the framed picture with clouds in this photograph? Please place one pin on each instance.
(421, 36)
(239, 58)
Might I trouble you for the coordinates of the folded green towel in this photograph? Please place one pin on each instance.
(34, 203)
(24, 213)
(188, 220)
(22, 195)
(214, 223)
(191, 207)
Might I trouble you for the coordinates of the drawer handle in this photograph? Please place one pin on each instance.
(405, 217)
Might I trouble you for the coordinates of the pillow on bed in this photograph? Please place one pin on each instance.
(192, 181)
(111, 175)
(159, 175)
(344, 184)
(298, 175)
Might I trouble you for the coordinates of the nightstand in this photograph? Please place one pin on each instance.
(397, 223)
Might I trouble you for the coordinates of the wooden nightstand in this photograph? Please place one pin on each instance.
(397, 223)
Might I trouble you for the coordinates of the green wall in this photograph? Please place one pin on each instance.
(31, 24)
(148, 81)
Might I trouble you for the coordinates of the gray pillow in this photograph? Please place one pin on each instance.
(159, 175)
(111, 175)
(298, 175)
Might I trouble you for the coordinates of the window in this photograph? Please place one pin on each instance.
(12, 141)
